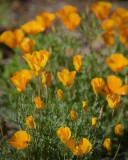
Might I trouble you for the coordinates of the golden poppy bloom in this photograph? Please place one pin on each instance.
(94, 122)
(27, 44)
(117, 62)
(73, 115)
(101, 9)
(37, 60)
(108, 25)
(98, 85)
(107, 144)
(64, 133)
(33, 27)
(84, 146)
(66, 10)
(45, 18)
(77, 62)
(85, 106)
(108, 38)
(118, 130)
(60, 94)
(46, 78)
(113, 101)
(21, 79)
(120, 16)
(30, 122)
(114, 86)
(39, 103)
(12, 39)
(123, 34)
(69, 17)
(66, 77)
(20, 140)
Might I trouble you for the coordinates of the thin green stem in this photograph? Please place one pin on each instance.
(64, 152)
(116, 152)
(76, 130)
(23, 106)
(39, 87)
(63, 113)
(2, 134)
(46, 99)
(39, 122)
(34, 86)
(109, 123)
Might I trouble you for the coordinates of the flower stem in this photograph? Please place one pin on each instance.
(23, 106)
(39, 84)
(34, 86)
(109, 123)
(116, 152)
(46, 99)
(63, 113)
(76, 130)
(64, 152)
(2, 134)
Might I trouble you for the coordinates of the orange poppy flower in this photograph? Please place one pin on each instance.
(27, 44)
(69, 17)
(114, 86)
(113, 101)
(45, 18)
(84, 146)
(120, 16)
(85, 106)
(98, 85)
(66, 10)
(94, 122)
(108, 38)
(39, 103)
(20, 140)
(101, 9)
(118, 130)
(117, 62)
(66, 77)
(108, 25)
(12, 39)
(33, 27)
(73, 115)
(64, 133)
(107, 144)
(46, 78)
(123, 34)
(37, 60)
(60, 94)
(21, 79)
(30, 122)
(77, 62)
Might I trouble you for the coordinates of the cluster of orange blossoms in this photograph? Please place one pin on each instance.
(16, 38)
(84, 144)
(113, 89)
(69, 17)
(117, 21)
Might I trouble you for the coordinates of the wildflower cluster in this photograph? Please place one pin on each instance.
(116, 23)
(55, 103)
